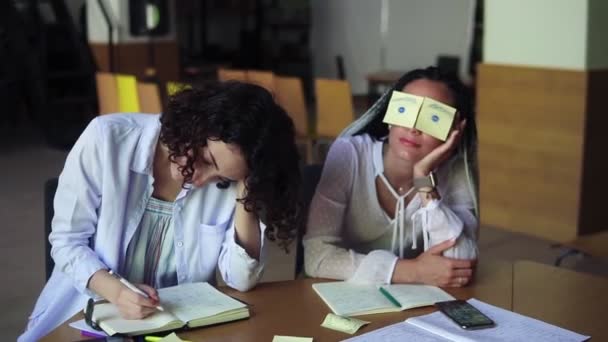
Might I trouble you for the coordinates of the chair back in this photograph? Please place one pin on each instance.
(174, 87)
(334, 107)
(149, 98)
(231, 74)
(128, 99)
(290, 95)
(107, 93)
(264, 79)
(311, 174)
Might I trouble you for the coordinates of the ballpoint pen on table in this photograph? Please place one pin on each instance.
(133, 288)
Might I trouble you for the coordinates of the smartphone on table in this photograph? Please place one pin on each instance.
(465, 315)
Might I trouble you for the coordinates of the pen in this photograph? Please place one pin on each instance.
(389, 296)
(133, 288)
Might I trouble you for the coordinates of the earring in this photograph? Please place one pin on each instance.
(390, 127)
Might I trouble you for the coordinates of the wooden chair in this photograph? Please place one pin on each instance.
(174, 87)
(231, 74)
(335, 111)
(124, 94)
(265, 79)
(149, 98)
(289, 94)
(592, 244)
(107, 93)
(128, 98)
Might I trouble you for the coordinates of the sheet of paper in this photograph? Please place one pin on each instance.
(348, 325)
(398, 332)
(347, 299)
(279, 338)
(83, 326)
(510, 326)
(413, 296)
(196, 300)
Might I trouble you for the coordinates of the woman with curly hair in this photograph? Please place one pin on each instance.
(164, 200)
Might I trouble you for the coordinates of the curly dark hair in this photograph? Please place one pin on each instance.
(245, 115)
(462, 95)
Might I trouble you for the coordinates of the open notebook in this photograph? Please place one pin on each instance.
(510, 327)
(192, 305)
(349, 299)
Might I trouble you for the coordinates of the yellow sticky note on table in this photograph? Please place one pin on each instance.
(128, 100)
(169, 338)
(348, 325)
(278, 338)
(403, 109)
(435, 118)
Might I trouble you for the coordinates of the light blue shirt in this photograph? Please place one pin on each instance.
(100, 200)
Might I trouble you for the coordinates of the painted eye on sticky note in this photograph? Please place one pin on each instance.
(401, 109)
(435, 118)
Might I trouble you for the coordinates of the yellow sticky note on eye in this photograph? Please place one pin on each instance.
(128, 100)
(435, 118)
(348, 325)
(403, 109)
(425, 114)
(278, 338)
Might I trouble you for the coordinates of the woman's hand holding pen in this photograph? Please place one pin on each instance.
(130, 304)
(135, 306)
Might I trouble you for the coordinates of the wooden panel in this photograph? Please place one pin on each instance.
(149, 98)
(531, 131)
(595, 170)
(134, 59)
(334, 107)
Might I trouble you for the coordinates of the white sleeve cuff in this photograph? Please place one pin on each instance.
(375, 268)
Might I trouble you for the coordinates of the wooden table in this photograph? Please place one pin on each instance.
(293, 308)
(569, 299)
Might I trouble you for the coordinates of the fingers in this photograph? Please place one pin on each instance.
(439, 248)
(461, 263)
(458, 282)
(150, 291)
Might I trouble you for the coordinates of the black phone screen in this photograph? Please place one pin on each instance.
(464, 314)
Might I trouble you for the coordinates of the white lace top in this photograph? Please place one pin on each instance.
(350, 236)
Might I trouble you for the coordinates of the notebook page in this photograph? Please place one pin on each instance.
(110, 320)
(348, 299)
(398, 332)
(196, 300)
(413, 296)
(510, 326)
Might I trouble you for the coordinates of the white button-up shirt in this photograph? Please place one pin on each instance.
(101, 197)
